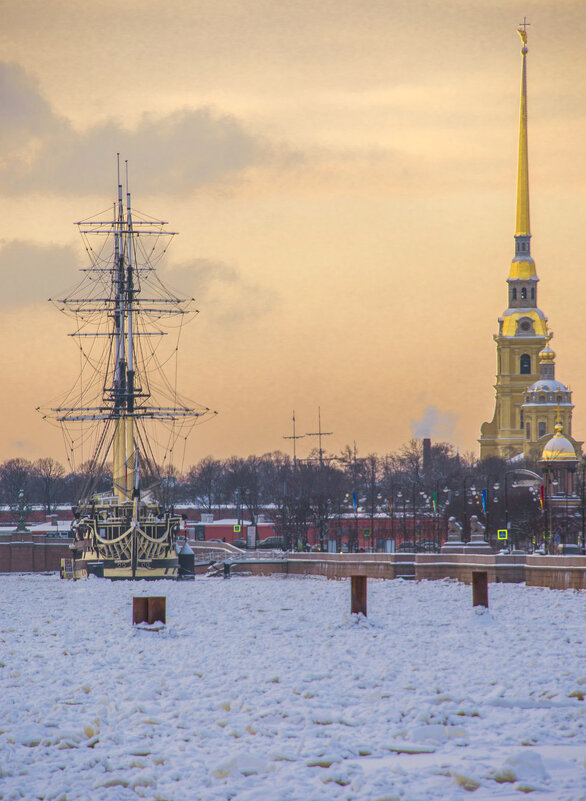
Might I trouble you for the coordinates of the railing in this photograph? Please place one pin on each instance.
(214, 555)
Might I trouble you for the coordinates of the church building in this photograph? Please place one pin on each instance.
(529, 398)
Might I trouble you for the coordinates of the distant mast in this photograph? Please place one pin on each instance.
(124, 455)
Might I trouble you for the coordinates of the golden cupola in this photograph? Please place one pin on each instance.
(559, 448)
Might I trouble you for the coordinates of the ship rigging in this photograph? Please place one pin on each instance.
(123, 397)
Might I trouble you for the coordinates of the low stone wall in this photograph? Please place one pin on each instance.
(557, 572)
(30, 553)
(24, 552)
(260, 568)
(341, 565)
(506, 568)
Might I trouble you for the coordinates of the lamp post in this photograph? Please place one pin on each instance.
(468, 501)
(495, 488)
(515, 472)
(583, 508)
(392, 516)
(445, 501)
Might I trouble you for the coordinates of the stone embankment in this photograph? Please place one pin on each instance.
(557, 572)
(32, 553)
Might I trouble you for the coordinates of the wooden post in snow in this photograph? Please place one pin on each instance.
(358, 595)
(151, 609)
(480, 588)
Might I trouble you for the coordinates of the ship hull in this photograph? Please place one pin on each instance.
(123, 540)
(156, 570)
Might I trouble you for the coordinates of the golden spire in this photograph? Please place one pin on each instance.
(522, 227)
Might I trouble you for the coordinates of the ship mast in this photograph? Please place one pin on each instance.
(121, 299)
(123, 455)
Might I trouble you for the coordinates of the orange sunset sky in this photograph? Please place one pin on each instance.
(342, 175)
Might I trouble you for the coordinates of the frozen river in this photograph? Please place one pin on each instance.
(267, 689)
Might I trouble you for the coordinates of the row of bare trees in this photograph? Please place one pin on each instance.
(407, 483)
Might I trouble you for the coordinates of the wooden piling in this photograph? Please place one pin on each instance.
(358, 595)
(149, 609)
(140, 610)
(157, 609)
(480, 588)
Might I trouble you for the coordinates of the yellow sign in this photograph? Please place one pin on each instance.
(237, 528)
(502, 534)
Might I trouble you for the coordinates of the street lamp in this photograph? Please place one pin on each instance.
(522, 471)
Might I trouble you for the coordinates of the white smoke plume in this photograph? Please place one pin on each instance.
(435, 424)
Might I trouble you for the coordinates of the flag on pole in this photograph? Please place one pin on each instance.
(354, 504)
(434, 501)
(484, 500)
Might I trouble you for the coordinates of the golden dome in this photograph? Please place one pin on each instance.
(559, 448)
(547, 354)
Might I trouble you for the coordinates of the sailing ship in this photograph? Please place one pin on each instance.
(123, 394)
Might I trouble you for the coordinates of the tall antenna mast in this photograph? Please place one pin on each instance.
(294, 438)
(129, 298)
(319, 433)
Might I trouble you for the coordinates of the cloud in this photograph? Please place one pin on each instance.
(176, 153)
(227, 296)
(32, 273)
(435, 424)
(24, 111)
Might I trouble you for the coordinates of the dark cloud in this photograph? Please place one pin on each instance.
(176, 153)
(31, 273)
(25, 114)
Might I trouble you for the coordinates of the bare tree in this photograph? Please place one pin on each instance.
(16, 476)
(205, 483)
(49, 475)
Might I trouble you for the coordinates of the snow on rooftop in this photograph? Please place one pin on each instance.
(264, 689)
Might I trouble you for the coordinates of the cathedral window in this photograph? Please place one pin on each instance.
(521, 426)
(541, 429)
(528, 430)
(532, 293)
(525, 365)
(542, 399)
(514, 293)
(559, 398)
(523, 293)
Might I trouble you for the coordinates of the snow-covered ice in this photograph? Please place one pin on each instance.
(267, 689)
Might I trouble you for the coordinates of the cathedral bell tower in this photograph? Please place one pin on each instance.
(523, 331)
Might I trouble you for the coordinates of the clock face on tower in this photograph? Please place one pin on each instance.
(524, 326)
